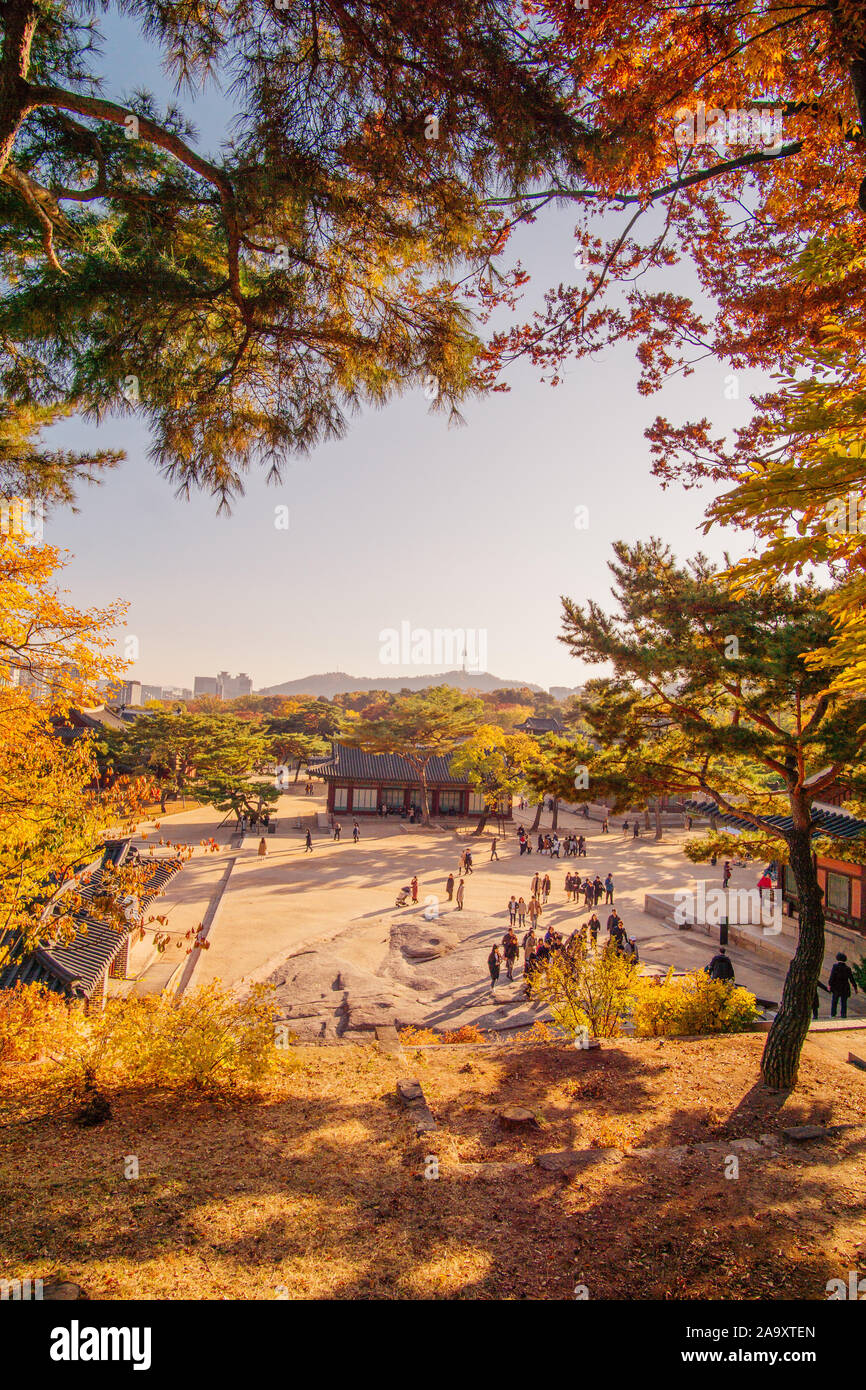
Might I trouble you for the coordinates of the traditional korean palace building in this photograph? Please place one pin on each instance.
(364, 784)
(842, 883)
(80, 968)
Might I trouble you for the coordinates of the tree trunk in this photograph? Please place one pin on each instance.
(657, 809)
(425, 801)
(781, 1060)
(555, 813)
(482, 821)
(538, 810)
(298, 770)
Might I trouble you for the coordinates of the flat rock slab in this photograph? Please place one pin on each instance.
(412, 1096)
(388, 1038)
(423, 943)
(801, 1134)
(572, 1160)
(857, 1061)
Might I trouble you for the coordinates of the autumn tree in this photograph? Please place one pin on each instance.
(420, 726)
(728, 711)
(492, 761)
(53, 815)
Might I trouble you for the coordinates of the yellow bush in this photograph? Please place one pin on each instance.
(467, 1034)
(692, 1004)
(208, 1039)
(34, 1020)
(418, 1037)
(586, 990)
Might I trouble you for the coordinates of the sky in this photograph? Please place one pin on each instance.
(405, 520)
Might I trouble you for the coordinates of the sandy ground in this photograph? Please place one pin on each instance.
(324, 929)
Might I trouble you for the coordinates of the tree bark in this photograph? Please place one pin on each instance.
(21, 17)
(781, 1060)
(482, 821)
(657, 810)
(538, 810)
(555, 821)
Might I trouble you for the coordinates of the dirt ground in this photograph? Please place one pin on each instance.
(317, 1188)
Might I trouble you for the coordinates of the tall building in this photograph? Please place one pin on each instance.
(206, 685)
(230, 687)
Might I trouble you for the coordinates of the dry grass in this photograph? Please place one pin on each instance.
(316, 1189)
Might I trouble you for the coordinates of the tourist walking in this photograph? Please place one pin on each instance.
(726, 873)
(604, 826)
(449, 886)
(545, 888)
(720, 968)
(468, 858)
(510, 950)
(263, 846)
(529, 943)
(494, 961)
(461, 889)
(535, 885)
(534, 911)
(414, 884)
(635, 834)
(594, 924)
(598, 890)
(338, 830)
(493, 854)
(608, 889)
(356, 831)
(521, 912)
(512, 910)
(841, 983)
(309, 843)
(581, 846)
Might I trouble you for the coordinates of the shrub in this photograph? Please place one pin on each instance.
(859, 973)
(209, 1040)
(467, 1034)
(34, 1020)
(586, 990)
(692, 1004)
(418, 1037)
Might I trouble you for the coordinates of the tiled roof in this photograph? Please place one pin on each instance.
(538, 725)
(826, 820)
(354, 765)
(77, 967)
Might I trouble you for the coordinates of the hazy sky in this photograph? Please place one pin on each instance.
(404, 520)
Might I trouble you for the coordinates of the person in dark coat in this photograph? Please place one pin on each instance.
(720, 968)
(309, 843)
(449, 886)
(841, 983)
(494, 961)
(510, 950)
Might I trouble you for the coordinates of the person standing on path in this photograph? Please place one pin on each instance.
(598, 890)
(593, 925)
(510, 950)
(608, 889)
(494, 960)
(469, 861)
(535, 885)
(545, 888)
(493, 854)
(512, 910)
(309, 843)
(356, 831)
(726, 873)
(720, 968)
(841, 983)
(529, 944)
(604, 826)
(461, 889)
(263, 849)
(414, 883)
(534, 912)
(449, 886)
(338, 830)
(636, 832)
(521, 912)
(581, 846)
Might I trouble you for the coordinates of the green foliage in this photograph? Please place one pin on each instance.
(691, 1004)
(859, 973)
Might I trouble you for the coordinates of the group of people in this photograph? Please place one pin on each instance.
(571, 846)
(538, 950)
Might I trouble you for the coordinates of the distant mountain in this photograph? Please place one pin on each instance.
(333, 683)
